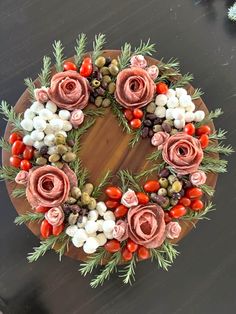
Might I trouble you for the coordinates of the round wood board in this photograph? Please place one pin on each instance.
(104, 146)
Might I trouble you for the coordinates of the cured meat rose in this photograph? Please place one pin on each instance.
(69, 90)
(71, 176)
(146, 225)
(183, 152)
(120, 231)
(47, 186)
(134, 88)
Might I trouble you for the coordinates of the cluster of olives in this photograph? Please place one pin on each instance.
(102, 81)
(56, 155)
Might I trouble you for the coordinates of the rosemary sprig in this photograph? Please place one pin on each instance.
(44, 76)
(150, 171)
(83, 177)
(210, 164)
(128, 272)
(31, 87)
(98, 44)
(159, 256)
(197, 93)
(184, 80)
(98, 189)
(128, 180)
(80, 171)
(193, 215)
(155, 155)
(8, 173)
(211, 115)
(218, 135)
(11, 116)
(171, 64)
(80, 47)
(117, 111)
(58, 54)
(63, 248)
(98, 112)
(19, 192)
(207, 189)
(170, 251)
(28, 217)
(219, 148)
(107, 270)
(144, 48)
(125, 56)
(136, 137)
(93, 262)
(5, 145)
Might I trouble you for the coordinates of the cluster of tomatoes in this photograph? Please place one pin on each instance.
(20, 153)
(85, 69)
(202, 133)
(46, 229)
(134, 117)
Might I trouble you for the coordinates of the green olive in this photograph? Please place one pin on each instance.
(162, 192)
(114, 61)
(177, 186)
(151, 107)
(157, 128)
(163, 182)
(37, 153)
(105, 71)
(73, 218)
(71, 200)
(68, 157)
(111, 87)
(96, 83)
(114, 70)
(98, 101)
(88, 188)
(170, 192)
(106, 79)
(58, 164)
(170, 122)
(172, 179)
(60, 139)
(100, 62)
(76, 192)
(41, 161)
(173, 132)
(54, 157)
(173, 201)
(85, 198)
(92, 204)
(62, 149)
(166, 203)
(106, 102)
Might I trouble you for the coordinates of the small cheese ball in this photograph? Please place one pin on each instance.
(27, 124)
(64, 114)
(36, 107)
(51, 106)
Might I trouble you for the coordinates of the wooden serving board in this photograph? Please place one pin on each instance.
(104, 146)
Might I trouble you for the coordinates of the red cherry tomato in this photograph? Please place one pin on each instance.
(120, 211)
(14, 137)
(204, 140)
(69, 66)
(138, 113)
(28, 153)
(15, 161)
(194, 193)
(56, 230)
(142, 198)
(87, 60)
(197, 205)
(135, 123)
(177, 211)
(111, 204)
(113, 192)
(143, 253)
(167, 217)
(151, 186)
(45, 229)
(25, 165)
(41, 209)
(86, 69)
(128, 114)
(189, 129)
(17, 148)
(126, 254)
(132, 246)
(204, 129)
(185, 201)
(161, 88)
(112, 246)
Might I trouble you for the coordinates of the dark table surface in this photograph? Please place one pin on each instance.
(199, 34)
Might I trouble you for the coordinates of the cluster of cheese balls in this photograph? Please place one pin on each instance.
(94, 230)
(43, 123)
(177, 105)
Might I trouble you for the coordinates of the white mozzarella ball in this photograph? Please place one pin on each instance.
(61, 132)
(91, 226)
(37, 135)
(81, 235)
(49, 140)
(101, 208)
(169, 114)
(76, 242)
(27, 124)
(29, 114)
(180, 92)
(100, 223)
(172, 102)
(161, 100)
(179, 124)
(64, 114)
(170, 93)
(109, 215)
(109, 235)
(52, 150)
(51, 106)
(90, 245)
(36, 107)
(67, 126)
(56, 124)
(39, 124)
(71, 230)
(108, 226)
(101, 238)
(190, 107)
(185, 100)
(199, 115)
(45, 114)
(27, 140)
(93, 215)
(83, 222)
(38, 144)
(48, 129)
(178, 113)
(189, 116)
(160, 112)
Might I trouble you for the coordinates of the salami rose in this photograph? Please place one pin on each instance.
(183, 152)
(134, 88)
(120, 231)
(173, 230)
(69, 90)
(159, 139)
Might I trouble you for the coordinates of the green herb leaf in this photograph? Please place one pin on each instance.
(128, 272)
(197, 93)
(31, 87)
(209, 117)
(28, 217)
(8, 173)
(98, 45)
(18, 192)
(93, 261)
(5, 145)
(11, 116)
(193, 215)
(45, 75)
(124, 58)
(58, 54)
(145, 48)
(80, 48)
(219, 148)
(98, 189)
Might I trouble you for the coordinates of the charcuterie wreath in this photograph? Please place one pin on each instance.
(111, 157)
